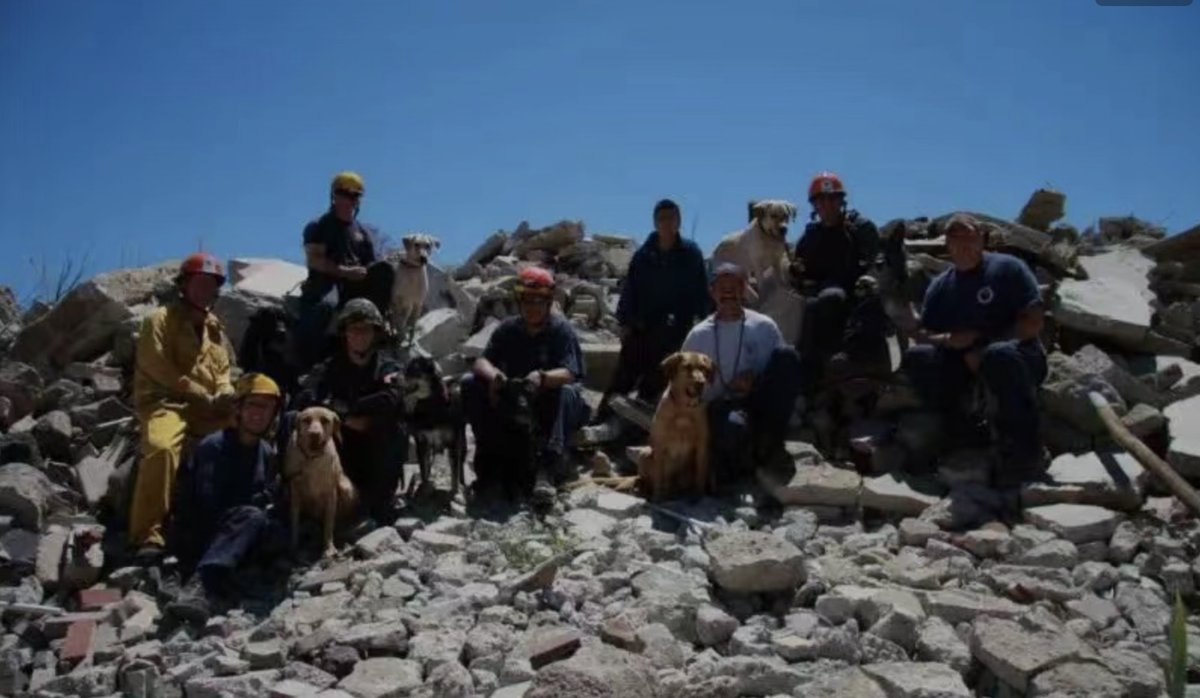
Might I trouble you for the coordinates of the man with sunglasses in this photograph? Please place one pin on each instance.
(541, 348)
(838, 247)
(340, 253)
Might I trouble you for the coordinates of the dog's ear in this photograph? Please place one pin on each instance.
(336, 428)
(709, 367)
(671, 364)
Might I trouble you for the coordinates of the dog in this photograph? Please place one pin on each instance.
(435, 416)
(265, 348)
(316, 484)
(412, 283)
(760, 247)
(679, 433)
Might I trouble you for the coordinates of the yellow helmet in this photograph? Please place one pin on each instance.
(348, 181)
(257, 384)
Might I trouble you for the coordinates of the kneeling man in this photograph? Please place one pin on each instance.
(757, 378)
(981, 319)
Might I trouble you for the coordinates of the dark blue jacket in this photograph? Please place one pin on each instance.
(664, 284)
(220, 474)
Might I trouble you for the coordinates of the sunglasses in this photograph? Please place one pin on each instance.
(356, 195)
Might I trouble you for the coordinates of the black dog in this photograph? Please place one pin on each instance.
(435, 417)
(265, 349)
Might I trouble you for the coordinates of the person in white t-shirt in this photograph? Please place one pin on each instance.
(757, 377)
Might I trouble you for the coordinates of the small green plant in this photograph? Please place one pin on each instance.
(1177, 636)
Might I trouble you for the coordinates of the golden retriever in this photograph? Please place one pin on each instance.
(678, 457)
(761, 246)
(312, 472)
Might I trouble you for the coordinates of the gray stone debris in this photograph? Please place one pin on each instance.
(748, 562)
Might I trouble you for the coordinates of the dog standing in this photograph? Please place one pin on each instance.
(761, 246)
(434, 413)
(317, 486)
(679, 432)
(412, 283)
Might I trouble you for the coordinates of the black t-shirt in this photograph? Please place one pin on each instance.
(516, 352)
(346, 244)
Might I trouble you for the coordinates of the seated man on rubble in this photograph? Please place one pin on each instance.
(362, 383)
(843, 317)
(758, 378)
(223, 499)
(981, 320)
(523, 399)
(665, 293)
(182, 390)
(339, 251)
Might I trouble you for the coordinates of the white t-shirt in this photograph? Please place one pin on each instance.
(759, 337)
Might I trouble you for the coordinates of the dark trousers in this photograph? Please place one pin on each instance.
(639, 365)
(758, 422)
(1011, 372)
(317, 311)
(836, 322)
(502, 447)
(238, 532)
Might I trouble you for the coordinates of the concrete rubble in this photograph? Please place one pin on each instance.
(851, 572)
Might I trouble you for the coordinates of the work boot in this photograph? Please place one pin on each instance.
(543, 489)
(193, 604)
(149, 555)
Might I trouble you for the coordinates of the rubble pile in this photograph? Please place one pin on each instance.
(845, 574)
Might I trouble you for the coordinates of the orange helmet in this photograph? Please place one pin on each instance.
(202, 263)
(825, 183)
(534, 281)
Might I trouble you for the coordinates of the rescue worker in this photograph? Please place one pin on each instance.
(181, 390)
(837, 248)
(982, 319)
(756, 382)
(222, 502)
(665, 293)
(342, 261)
(362, 384)
(543, 349)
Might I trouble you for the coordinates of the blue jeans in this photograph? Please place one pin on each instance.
(501, 446)
(1011, 372)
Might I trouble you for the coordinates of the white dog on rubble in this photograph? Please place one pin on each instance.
(412, 283)
(760, 247)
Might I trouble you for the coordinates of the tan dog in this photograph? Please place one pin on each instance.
(313, 474)
(760, 247)
(412, 282)
(678, 456)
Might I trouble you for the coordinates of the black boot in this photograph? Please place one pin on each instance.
(193, 604)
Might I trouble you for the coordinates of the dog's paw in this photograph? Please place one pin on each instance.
(330, 551)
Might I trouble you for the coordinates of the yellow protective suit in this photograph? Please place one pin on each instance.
(179, 372)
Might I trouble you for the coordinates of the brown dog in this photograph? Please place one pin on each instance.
(313, 474)
(679, 433)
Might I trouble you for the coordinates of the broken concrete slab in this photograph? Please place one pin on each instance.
(1109, 479)
(1184, 427)
(755, 562)
(1015, 653)
(822, 485)
(1078, 523)
(897, 495)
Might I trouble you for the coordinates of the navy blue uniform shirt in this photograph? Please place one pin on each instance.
(341, 248)
(516, 352)
(986, 299)
(664, 284)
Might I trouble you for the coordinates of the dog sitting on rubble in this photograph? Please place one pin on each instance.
(434, 413)
(678, 458)
(317, 487)
(761, 247)
(412, 283)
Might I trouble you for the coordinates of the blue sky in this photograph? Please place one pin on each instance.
(133, 130)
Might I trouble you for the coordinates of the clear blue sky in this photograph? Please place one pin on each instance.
(131, 129)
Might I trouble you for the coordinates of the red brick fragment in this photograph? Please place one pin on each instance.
(97, 598)
(78, 644)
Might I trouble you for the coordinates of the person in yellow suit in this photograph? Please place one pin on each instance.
(181, 389)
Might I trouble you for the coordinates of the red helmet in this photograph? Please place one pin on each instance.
(202, 263)
(825, 183)
(535, 281)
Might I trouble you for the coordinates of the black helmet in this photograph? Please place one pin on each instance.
(359, 310)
